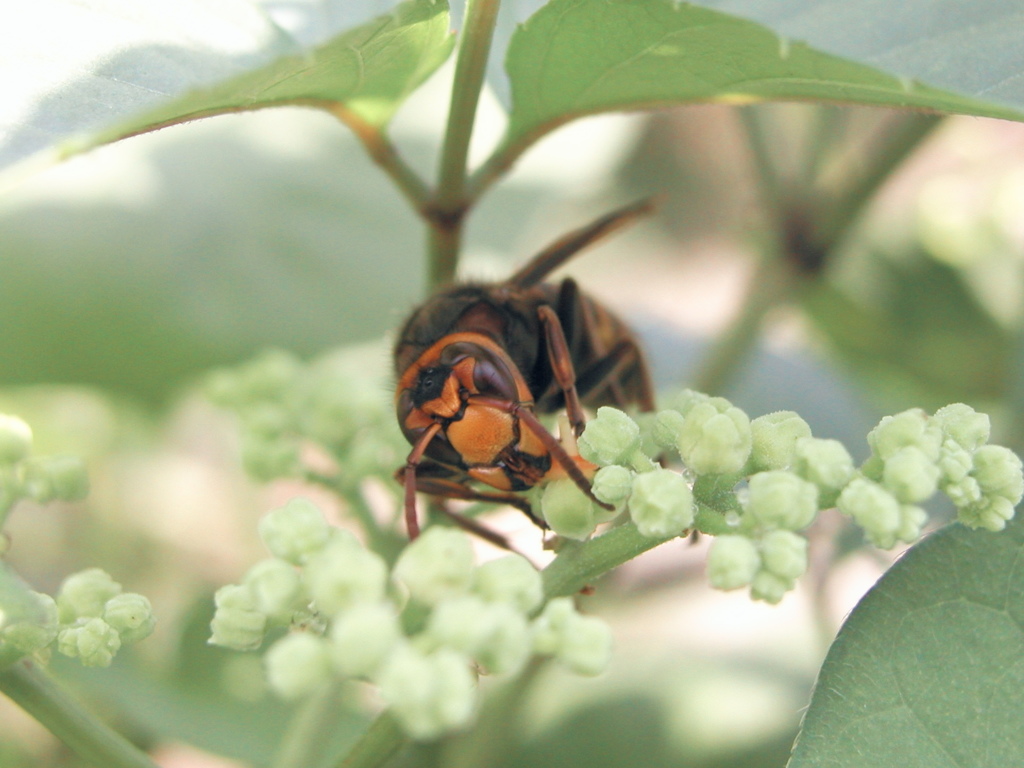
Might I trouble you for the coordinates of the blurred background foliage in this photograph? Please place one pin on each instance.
(128, 273)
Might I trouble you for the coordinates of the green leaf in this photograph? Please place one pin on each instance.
(369, 70)
(947, 348)
(969, 47)
(365, 73)
(576, 57)
(929, 668)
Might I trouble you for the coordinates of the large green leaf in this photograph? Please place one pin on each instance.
(137, 76)
(972, 47)
(576, 57)
(928, 671)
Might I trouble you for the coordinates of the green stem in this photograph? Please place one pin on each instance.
(304, 742)
(769, 181)
(85, 734)
(451, 204)
(580, 564)
(381, 742)
(897, 143)
(771, 284)
(500, 723)
(383, 153)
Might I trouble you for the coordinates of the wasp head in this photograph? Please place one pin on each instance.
(441, 384)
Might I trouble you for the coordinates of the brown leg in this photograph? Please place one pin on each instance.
(412, 525)
(561, 364)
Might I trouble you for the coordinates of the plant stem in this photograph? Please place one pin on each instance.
(384, 154)
(770, 285)
(450, 203)
(86, 735)
(304, 741)
(897, 144)
(499, 725)
(581, 564)
(382, 741)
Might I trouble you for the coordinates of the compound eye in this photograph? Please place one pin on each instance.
(430, 384)
(494, 380)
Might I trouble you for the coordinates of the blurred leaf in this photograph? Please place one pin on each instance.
(920, 337)
(928, 670)
(217, 240)
(368, 70)
(972, 47)
(575, 58)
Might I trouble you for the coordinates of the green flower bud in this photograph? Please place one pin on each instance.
(910, 475)
(784, 554)
(268, 421)
(341, 575)
(297, 665)
(362, 637)
(773, 439)
(661, 504)
(92, 641)
(963, 493)
(826, 463)
(715, 441)
(68, 477)
(910, 428)
(667, 427)
(781, 499)
(688, 399)
(268, 377)
(990, 513)
(84, 594)
(34, 634)
(874, 509)
(582, 643)
(568, 510)
(294, 532)
(437, 565)
(60, 478)
(510, 579)
(15, 439)
(276, 588)
(131, 616)
(964, 425)
(268, 458)
(769, 587)
(429, 694)
(955, 462)
(587, 648)
(733, 561)
(612, 484)
(494, 634)
(550, 627)
(912, 520)
(610, 438)
(998, 472)
(237, 623)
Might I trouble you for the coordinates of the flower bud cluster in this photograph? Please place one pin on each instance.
(914, 455)
(421, 631)
(658, 501)
(335, 402)
(42, 479)
(90, 620)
